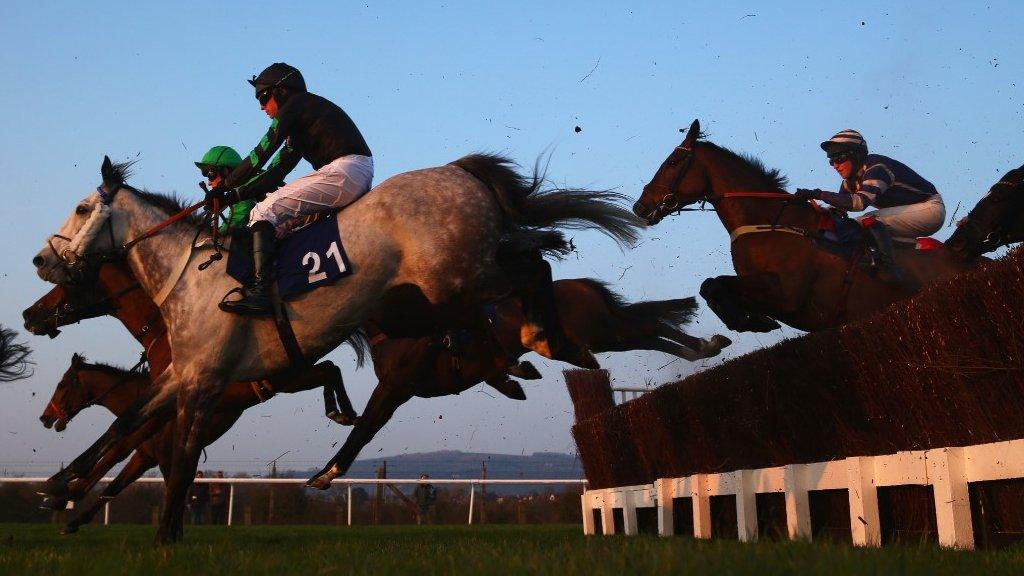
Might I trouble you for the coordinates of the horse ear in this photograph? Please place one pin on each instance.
(76, 359)
(691, 135)
(110, 176)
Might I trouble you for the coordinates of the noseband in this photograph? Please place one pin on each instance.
(670, 201)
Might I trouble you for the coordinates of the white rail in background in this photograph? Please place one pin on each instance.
(947, 470)
(347, 482)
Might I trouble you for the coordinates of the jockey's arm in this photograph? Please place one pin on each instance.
(266, 182)
(875, 182)
(280, 129)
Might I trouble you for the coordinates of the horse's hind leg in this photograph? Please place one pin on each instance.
(337, 405)
(132, 471)
(508, 387)
(386, 398)
(723, 295)
(706, 348)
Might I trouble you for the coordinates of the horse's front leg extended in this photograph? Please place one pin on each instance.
(386, 398)
(132, 471)
(196, 404)
(725, 296)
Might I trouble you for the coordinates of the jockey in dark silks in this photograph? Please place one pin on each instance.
(908, 206)
(303, 126)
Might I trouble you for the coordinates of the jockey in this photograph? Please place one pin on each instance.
(907, 205)
(303, 125)
(216, 164)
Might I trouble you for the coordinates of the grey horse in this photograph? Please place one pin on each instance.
(421, 244)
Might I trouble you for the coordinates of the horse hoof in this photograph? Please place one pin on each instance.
(54, 489)
(524, 370)
(343, 419)
(54, 503)
(716, 344)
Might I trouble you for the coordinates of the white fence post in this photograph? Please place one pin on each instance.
(588, 514)
(798, 505)
(348, 499)
(106, 513)
(864, 521)
(231, 503)
(701, 506)
(666, 515)
(746, 506)
(472, 493)
(948, 474)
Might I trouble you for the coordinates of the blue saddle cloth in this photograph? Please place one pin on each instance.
(840, 234)
(308, 258)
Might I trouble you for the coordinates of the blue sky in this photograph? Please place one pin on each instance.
(935, 85)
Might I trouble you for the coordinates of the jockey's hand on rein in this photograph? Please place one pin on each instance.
(227, 196)
(808, 194)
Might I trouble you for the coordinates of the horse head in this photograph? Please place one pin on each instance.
(996, 220)
(70, 255)
(67, 304)
(679, 181)
(70, 397)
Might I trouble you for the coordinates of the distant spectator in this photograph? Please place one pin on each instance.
(198, 500)
(425, 495)
(218, 500)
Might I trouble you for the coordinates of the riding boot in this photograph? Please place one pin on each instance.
(256, 299)
(542, 303)
(888, 271)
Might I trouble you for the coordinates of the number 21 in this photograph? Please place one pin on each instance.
(312, 258)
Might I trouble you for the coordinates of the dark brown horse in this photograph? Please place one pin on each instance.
(782, 271)
(85, 385)
(996, 220)
(593, 317)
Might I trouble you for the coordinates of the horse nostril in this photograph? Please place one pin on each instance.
(38, 261)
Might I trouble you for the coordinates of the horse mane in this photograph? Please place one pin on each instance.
(112, 370)
(169, 203)
(773, 177)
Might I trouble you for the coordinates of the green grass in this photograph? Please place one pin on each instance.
(377, 551)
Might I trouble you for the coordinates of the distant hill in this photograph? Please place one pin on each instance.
(458, 464)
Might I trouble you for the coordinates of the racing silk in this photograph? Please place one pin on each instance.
(310, 127)
(883, 183)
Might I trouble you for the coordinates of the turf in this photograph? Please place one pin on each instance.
(312, 550)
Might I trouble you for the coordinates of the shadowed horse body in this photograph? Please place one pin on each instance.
(782, 274)
(429, 236)
(996, 220)
(86, 384)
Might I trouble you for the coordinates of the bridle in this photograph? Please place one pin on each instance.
(670, 202)
(89, 399)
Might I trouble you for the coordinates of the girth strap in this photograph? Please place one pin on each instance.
(757, 228)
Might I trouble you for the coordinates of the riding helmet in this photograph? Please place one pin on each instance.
(279, 74)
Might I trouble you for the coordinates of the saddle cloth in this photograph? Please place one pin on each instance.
(309, 257)
(842, 234)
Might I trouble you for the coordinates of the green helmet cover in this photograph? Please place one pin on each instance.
(220, 156)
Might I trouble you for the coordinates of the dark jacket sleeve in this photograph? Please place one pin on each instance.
(268, 181)
(280, 129)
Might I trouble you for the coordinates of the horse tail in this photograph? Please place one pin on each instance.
(360, 344)
(677, 312)
(14, 362)
(526, 203)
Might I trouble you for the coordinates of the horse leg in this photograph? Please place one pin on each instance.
(704, 348)
(140, 415)
(507, 387)
(386, 398)
(724, 296)
(132, 471)
(196, 404)
(75, 485)
(542, 329)
(336, 402)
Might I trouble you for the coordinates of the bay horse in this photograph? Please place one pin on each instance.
(782, 273)
(996, 220)
(85, 384)
(423, 244)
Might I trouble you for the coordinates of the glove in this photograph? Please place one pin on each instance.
(808, 194)
(215, 193)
